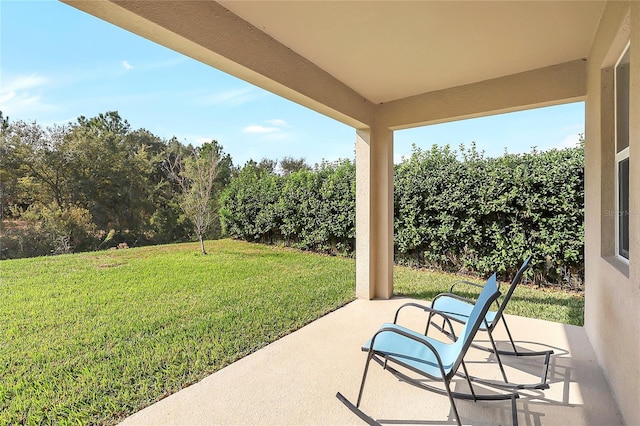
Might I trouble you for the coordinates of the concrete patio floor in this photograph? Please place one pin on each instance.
(294, 380)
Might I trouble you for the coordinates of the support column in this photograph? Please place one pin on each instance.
(374, 213)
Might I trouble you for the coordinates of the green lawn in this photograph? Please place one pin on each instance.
(95, 337)
(527, 301)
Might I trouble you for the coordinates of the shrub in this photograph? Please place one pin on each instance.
(249, 205)
(455, 210)
(51, 230)
(461, 212)
(307, 209)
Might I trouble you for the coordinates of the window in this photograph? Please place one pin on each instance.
(622, 154)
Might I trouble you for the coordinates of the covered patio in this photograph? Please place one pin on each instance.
(382, 66)
(294, 380)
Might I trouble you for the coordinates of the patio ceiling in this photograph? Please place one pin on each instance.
(390, 50)
(351, 60)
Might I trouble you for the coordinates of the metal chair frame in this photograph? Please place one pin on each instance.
(489, 326)
(385, 357)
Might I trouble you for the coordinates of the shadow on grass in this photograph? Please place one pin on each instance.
(568, 309)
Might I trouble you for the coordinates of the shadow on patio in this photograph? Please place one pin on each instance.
(294, 380)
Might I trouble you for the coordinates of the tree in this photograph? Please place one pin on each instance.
(4, 176)
(225, 170)
(195, 176)
(117, 175)
(4, 122)
(103, 168)
(290, 165)
(36, 163)
(94, 178)
(267, 165)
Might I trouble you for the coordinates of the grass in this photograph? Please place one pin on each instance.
(527, 301)
(95, 337)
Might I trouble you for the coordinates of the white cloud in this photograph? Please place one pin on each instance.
(233, 97)
(15, 87)
(23, 94)
(254, 128)
(126, 65)
(278, 130)
(23, 83)
(277, 122)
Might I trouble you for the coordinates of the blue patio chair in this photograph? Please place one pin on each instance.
(428, 357)
(458, 309)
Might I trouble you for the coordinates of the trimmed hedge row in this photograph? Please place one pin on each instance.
(459, 211)
(307, 209)
(455, 210)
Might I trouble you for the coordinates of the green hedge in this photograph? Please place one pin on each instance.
(311, 210)
(455, 210)
(459, 211)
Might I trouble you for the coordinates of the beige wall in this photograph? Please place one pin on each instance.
(612, 289)
(536, 88)
(374, 213)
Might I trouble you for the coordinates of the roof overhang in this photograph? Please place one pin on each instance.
(405, 63)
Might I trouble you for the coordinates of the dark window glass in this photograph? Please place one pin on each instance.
(622, 102)
(623, 212)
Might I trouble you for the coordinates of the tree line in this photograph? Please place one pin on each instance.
(454, 210)
(97, 183)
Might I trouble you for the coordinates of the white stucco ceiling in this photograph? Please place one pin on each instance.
(387, 50)
(404, 63)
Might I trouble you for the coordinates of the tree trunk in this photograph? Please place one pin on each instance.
(202, 244)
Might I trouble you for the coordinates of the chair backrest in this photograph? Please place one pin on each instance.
(507, 296)
(489, 294)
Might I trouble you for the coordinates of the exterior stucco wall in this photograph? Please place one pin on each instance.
(374, 213)
(612, 288)
(537, 88)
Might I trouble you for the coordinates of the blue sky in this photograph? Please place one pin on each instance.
(57, 63)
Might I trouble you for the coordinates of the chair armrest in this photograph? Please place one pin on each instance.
(453, 296)
(465, 283)
(443, 314)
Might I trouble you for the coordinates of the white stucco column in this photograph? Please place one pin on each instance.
(374, 213)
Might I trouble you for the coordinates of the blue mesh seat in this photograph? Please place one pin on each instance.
(393, 345)
(458, 309)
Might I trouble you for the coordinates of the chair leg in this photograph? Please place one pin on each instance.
(495, 351)
(513, 345)
(364, 377)
(356, 410)
(466, 375)
(514, 411)
(453, 404)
